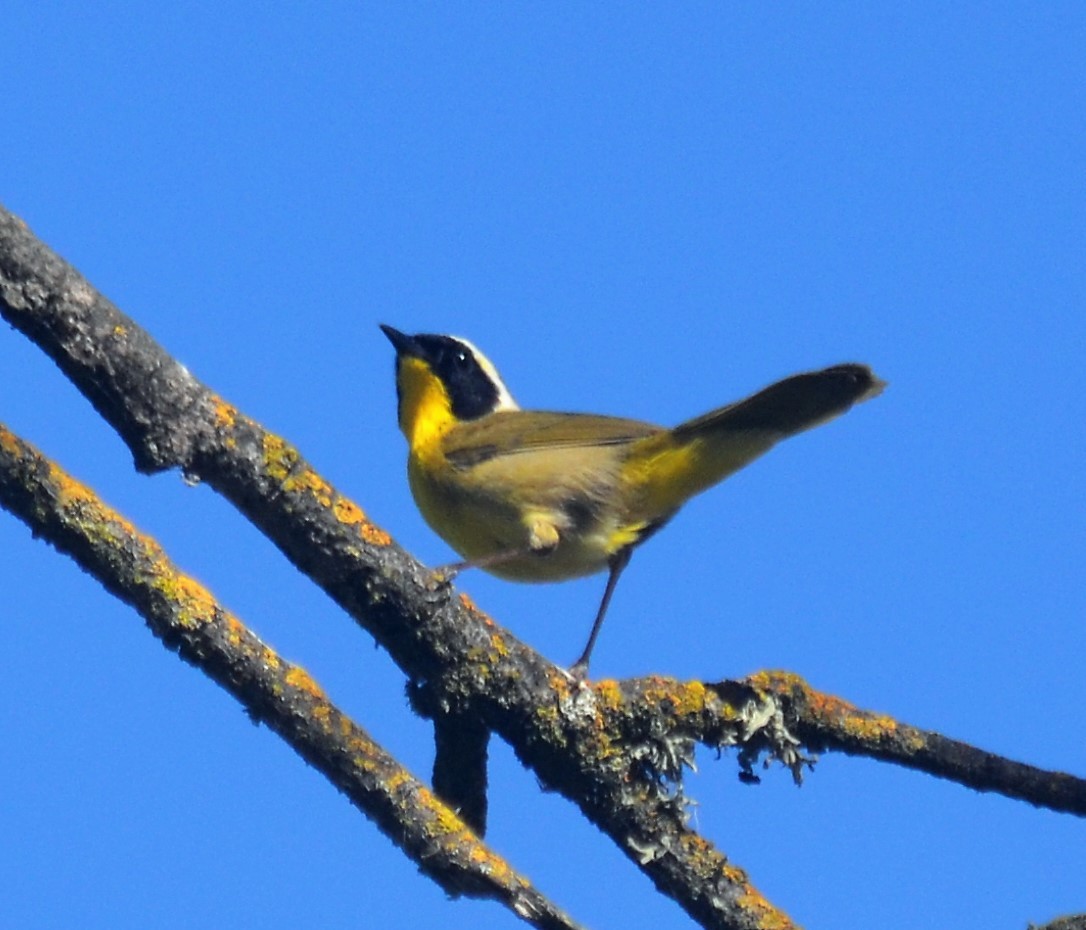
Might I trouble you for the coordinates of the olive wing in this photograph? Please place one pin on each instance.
(521, 432)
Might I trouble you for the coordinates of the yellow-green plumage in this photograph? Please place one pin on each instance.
(516, 472)
(537, 496)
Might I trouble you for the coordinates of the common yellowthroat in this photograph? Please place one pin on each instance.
(535, 496)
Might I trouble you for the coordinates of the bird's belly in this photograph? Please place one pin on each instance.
(480, 524)
(570, 559)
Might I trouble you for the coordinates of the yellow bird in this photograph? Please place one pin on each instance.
(536, 496)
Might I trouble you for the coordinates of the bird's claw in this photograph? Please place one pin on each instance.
(442, 577)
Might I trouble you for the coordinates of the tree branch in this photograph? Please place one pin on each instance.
(777, 715)
(617, 749)
(188, 620)
(439, 639)
(823, 722)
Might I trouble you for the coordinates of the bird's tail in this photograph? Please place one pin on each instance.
(671, 466)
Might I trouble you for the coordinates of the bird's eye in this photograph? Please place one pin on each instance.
(461, 359)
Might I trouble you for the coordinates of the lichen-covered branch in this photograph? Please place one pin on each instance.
(187, 618)
(449, 650)
(777, 716)
(823, 722)
(617, 749)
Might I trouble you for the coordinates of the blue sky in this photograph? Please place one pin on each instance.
(640, 211)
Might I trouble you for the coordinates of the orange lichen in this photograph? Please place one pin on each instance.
(689, 698)
(777, 681)
(9, 443)
(466, 600)
(194, 602)
(754, 902)
(449, 824)
(423, 795)
(847, 717)
(829, 705)
(348, 512)
(307, 480)
(494, 865)
(871, 728)
(235, 630)
(497, 643)
(374, 535)
(683, 698)
(280, 457)
(297, 677)
(608, 693)
(362, 761)
(81, 504)
(69, 490)
(226, 414)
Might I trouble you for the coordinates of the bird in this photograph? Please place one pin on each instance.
(537, 496)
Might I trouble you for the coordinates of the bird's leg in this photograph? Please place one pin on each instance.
(450, 571)
(542, 539)
(616, 563)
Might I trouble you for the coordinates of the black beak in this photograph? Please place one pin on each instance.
(404, 344)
